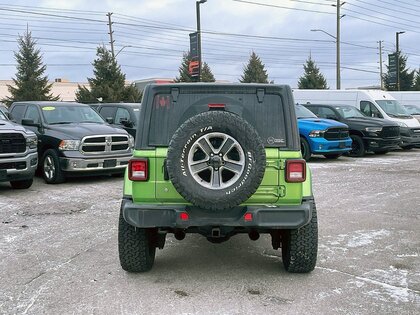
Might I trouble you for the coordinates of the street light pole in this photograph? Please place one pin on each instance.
(338, 45)
(397, 40)
(380, 65)
(197, 6)
(338, 53)
(121, 50)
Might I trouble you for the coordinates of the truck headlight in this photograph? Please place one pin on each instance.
(69, 145)
(131, 141)
(316, 133)
(401, 124)
(373, 129)
(32, 142)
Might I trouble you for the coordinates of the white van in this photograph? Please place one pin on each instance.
(407, 98)
(373, 103)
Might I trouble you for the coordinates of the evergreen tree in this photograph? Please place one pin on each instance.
(184, 74)
(108, 85)
(312, 77)
(416, 85)
(30, 83)
(206, 74)
(406, 76)
(254, 71)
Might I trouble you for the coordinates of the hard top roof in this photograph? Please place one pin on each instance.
(211, 85)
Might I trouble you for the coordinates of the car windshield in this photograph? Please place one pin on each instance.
(70, 114)
(349, 112)
(392, 108)
(2, 116)
(303, 112)
(413, 109)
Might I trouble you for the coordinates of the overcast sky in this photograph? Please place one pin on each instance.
(153, 34)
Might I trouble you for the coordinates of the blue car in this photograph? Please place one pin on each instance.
(326, 137)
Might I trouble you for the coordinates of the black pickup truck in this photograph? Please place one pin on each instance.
(73, 139)
(18, 154)
(368, 134)
(123, 115)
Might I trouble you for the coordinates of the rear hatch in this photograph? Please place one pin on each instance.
(263, 108)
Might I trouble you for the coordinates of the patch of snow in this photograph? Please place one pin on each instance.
(363, 238)
(408, 255)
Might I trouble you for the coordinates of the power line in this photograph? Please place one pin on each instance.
(281, 7)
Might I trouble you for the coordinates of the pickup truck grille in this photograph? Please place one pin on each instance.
(12, 143)
(336, 134)
(104, 144)
(390, 132)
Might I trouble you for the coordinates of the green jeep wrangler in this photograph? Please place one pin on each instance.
(218, 160)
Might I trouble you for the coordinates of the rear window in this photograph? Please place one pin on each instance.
(266, 117)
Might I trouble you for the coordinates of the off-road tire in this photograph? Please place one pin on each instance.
(51, 158)
(305, 148)
(135, 246)
(21, 184)
(223, 195)
(300, 247)
(332, 156)
(357, 147)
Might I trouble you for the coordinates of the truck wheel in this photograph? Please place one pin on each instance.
(407, 147)
(299, 247)
(305, 149)
(357, 146)
(21, 184)
(216, 160)
(51, 170)
(136, 249)
(332, 156)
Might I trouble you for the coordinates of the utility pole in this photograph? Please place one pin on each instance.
(397, 42)
(197, 7)
(380, 65)
(338, 45)
(110, 34)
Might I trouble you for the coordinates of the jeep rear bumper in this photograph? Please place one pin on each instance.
(263, 216)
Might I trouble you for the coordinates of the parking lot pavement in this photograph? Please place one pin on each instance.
(58, 252)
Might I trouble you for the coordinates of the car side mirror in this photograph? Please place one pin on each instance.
(109, 120)
(30, 122)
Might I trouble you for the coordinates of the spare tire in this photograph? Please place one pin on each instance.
(216, 160)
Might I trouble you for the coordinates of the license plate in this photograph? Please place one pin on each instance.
(342, 145)
(3, 174)
(110, 163)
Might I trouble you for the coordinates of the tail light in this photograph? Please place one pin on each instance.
(138, 169)
(295, 171)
